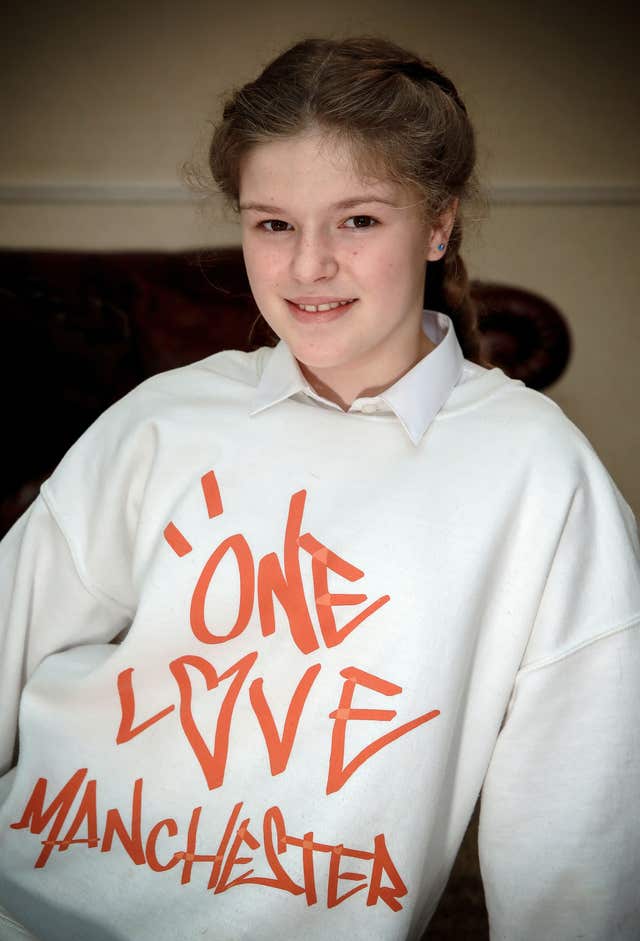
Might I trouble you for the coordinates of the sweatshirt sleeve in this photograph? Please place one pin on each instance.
(47, 606)
(66, 566)
(559, 837)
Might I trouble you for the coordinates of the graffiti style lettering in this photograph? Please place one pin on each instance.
(276, 843)
(339, 773)
(240, 548)
(213, 761)
(274, 581)
(131, 838)
(323, 560)
(36, 818)
(126, 729)
(287, 586)
(279, 747)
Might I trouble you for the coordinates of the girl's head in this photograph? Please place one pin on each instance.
(367, 114)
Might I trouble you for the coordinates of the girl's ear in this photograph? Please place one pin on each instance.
(441, 231)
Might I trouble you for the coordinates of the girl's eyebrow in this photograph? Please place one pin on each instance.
(343, 204)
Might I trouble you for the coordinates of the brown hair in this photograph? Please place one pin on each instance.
(401, 117)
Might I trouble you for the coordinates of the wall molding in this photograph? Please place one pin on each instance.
(141, 194)
(145, 194)
(532, 194)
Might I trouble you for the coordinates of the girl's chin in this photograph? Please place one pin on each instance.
(317, 362)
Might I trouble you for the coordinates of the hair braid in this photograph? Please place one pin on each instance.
(448, 289)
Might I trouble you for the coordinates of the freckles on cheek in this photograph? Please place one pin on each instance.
(264, 268)
(275, 266)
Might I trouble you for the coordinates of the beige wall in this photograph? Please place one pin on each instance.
(102, 104)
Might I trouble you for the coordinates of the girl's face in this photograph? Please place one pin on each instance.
(314, 233)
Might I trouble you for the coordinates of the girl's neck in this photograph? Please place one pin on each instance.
(344, 391)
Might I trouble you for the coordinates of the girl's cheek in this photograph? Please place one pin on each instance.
(274, 259)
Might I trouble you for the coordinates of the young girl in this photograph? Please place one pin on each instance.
(279, 617)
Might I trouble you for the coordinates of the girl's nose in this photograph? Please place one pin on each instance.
(313, 259)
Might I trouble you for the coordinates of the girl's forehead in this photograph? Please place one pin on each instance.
(313, 164)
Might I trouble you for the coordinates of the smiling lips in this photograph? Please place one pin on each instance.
(319, 310)
(319, 304)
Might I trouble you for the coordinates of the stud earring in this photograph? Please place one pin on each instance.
(441, 247)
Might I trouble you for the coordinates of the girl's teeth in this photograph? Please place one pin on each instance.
(312, 308)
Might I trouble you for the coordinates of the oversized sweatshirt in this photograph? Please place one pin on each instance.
(263, 655)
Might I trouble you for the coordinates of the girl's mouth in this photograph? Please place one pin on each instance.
(320, 313)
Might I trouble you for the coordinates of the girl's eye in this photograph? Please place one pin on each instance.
(275, 225)
(353, 222)
(360, 222)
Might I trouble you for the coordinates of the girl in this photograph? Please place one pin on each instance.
(356, 578)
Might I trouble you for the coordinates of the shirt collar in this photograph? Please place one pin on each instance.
(415, 399)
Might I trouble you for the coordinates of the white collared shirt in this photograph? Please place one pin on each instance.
(415, 399)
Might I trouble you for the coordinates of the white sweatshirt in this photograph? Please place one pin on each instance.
(335, 628)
